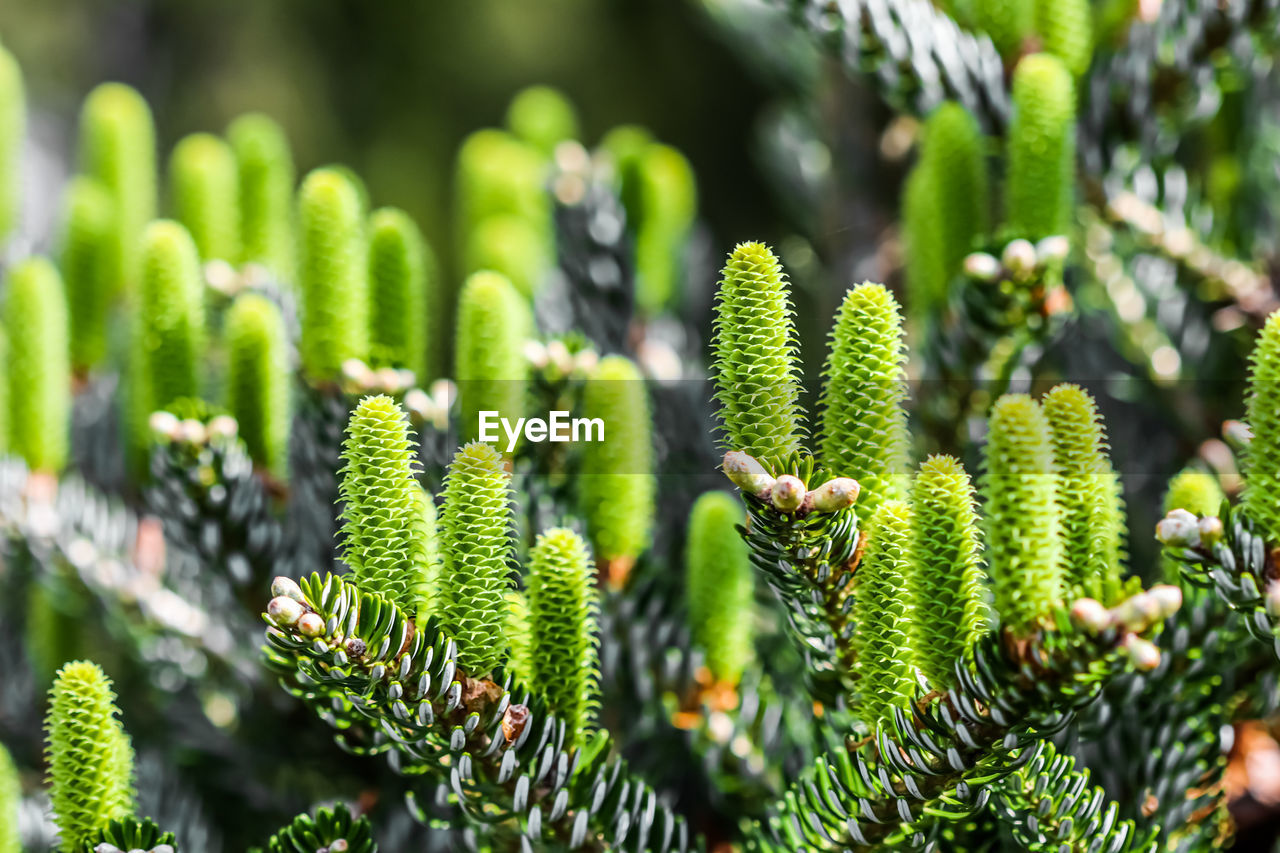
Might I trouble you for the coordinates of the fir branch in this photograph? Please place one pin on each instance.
(332, 830)
(505, 763)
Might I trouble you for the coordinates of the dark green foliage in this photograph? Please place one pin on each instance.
(476, 544)
(950, 611)
(616, 488)
(168, 329)
(756, 360)
(332, 276)
(493, 322)
(1090, 513)
(10, 800)
(13, 130)
(945, 205)
(1261, 469)
(129, 834)
(1066, 31)
(883, 615)
(381, 511)
(563, 658)
(258, 379)
(118, 148)
(313, 835)
(1019, 487)
(542, 117)
(1040, 177)
(667, 196)
(265, 171)
(864, 424)
(88, 753)
(38, 363)
(397, 290)
(205, 190)
(87, 231)
(721, 586)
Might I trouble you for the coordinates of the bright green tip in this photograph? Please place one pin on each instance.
(1019, 489)
(1261, 468)
(476, 543)
(13, 131)
(562, 619)
(1040, 179)
(38, 365)
(951, 613)
(616, 488)
(10, 800)
(493, 324)
(864, 424)
(259, 379)
(756, 359)
(513, 246)
(265, 168)
(398, 264)
(204, 184)
(720, 585)
(882, 636)
(88, 224)
(1196, 491)
(88, 753)
(543, 117)
(332, 274)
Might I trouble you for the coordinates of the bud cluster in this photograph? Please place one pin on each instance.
(788, 493)
(289, 610)
(1182, 529)
(555, 358)
(189, 431)
(359, 379)
(1021, 261)
(1132, 618)
(432, 405)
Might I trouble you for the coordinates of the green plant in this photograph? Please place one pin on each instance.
(1040, 180)
(38, 363)
(1066, 31)
(258, 379)
(476, 548)
(720, 586)
(511, 245)
(542, 117)
(499, 174)
(883, 615)
(381, 511)
(519, 636)
(168, 327)
(1008, 22)
(864, 426)
(332, 275)
(87, 231)
(756, 364)
(205, 191)
(333, 829)
(950, 612)
(616, 486)
(13, 128)
(667, 201)
(1023, 527)
(493, 323)
(1261, 469)
(399, 261)
(562, 655)
(265, 171)
(10, 800)
(426, 557)
(945, 204)
(118, 148)
(129, 834)
(1091, 518)
(89, 756)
